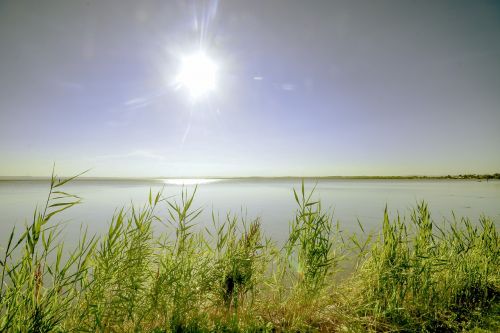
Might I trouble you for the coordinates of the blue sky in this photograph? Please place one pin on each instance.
(305, 88)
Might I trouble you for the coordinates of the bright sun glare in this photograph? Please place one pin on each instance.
(198, 74)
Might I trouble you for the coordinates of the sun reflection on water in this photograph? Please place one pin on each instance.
(189, 181)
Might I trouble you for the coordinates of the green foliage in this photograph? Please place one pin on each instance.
(163, 274)
(311, 242)
(238, 259)
(118, 281)
(423, 279)
(38, 283)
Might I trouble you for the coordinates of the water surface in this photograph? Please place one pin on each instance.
(271, 200)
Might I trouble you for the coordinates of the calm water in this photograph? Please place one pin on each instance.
(272, 200)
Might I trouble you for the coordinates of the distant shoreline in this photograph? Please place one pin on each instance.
(411, 177)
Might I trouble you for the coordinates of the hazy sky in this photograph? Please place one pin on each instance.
(304, 87)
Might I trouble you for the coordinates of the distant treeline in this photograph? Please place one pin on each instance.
(473, 176)
(465, 176)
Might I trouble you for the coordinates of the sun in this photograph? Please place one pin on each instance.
(197, 74)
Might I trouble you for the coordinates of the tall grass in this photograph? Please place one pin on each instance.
(423, 277)
(311, 240)
(151, 273)
(38, 286)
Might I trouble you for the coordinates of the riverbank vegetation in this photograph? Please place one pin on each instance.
(151, 273)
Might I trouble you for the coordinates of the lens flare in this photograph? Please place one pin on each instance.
(197, 74)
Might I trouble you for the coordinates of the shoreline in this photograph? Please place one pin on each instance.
(487, 177)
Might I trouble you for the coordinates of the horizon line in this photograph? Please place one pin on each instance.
(408, 176)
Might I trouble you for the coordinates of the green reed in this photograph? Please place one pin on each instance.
(425, 278)
(38, 285)
(312, 241)
(152, 273)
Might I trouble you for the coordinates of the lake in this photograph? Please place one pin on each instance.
(270, 199)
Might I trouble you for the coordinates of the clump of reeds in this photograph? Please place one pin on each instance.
(425, 278)
(415, 275)
(39, 283)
